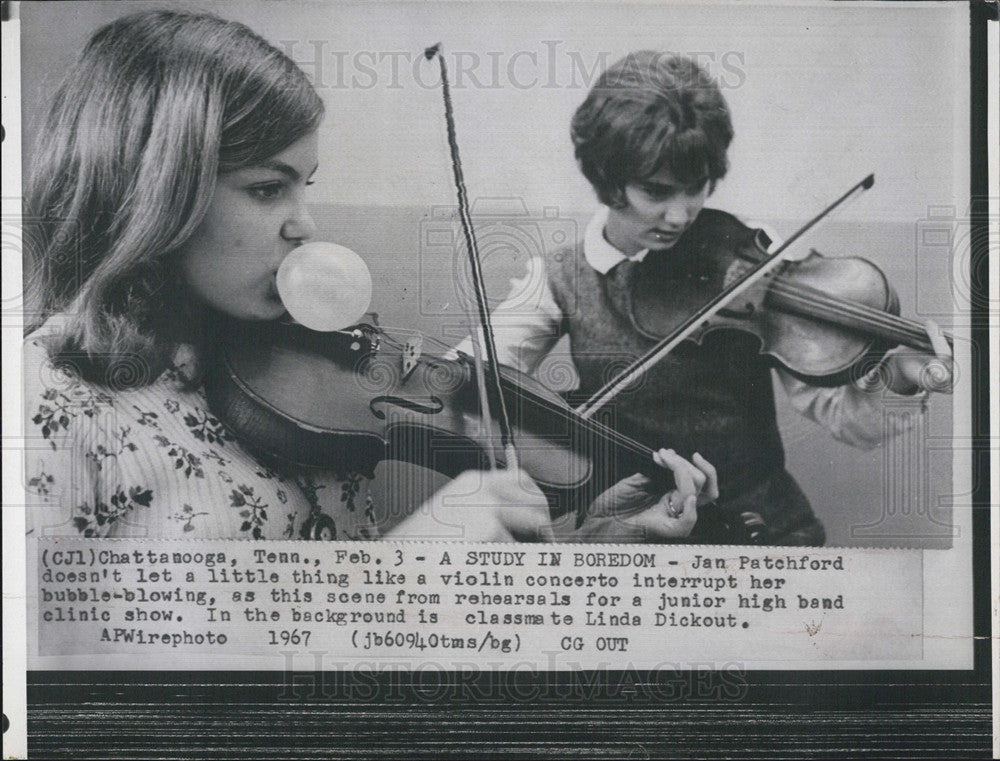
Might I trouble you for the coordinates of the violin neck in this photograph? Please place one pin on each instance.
(883, 326)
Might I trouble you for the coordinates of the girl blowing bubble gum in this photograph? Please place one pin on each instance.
(169, 183)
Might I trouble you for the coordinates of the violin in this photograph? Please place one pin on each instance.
(826, 321)
(358, 396)
(823, 320)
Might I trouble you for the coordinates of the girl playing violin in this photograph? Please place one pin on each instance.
(168, 184)
(651, 138)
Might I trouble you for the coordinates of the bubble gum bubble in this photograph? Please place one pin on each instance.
(324, 286)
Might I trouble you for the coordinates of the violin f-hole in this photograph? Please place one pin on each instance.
(432, 406)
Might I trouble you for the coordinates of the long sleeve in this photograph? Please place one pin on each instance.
(527, 324)
(851, 415)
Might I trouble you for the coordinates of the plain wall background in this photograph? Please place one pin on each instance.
(820, 96)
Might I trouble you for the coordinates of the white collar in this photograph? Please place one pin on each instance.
(600, 254)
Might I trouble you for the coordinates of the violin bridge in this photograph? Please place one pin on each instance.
(411, 354)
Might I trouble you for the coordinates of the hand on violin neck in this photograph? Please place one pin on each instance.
(482, 506)
(634, 510)
(908, 372)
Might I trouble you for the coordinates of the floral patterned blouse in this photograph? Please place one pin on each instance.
(154, 462)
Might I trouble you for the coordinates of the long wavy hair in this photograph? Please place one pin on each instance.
(157, 106)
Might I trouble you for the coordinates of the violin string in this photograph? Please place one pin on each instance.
(570, 416)
(897, 327)
(833, 307)
(567, 414)
(787, 288)
(862, 323)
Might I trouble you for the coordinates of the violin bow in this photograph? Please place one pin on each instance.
(764, 269)
(492, 377)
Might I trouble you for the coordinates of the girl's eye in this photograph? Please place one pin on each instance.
(269, 191)
(697, 188)
(658, 191)
(663, 192)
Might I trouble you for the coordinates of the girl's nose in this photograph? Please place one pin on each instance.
(676, 213)
(300, 227)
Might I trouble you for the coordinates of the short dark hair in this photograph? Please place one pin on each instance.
(651, 111)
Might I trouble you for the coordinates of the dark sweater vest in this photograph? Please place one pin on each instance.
(715, 398)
